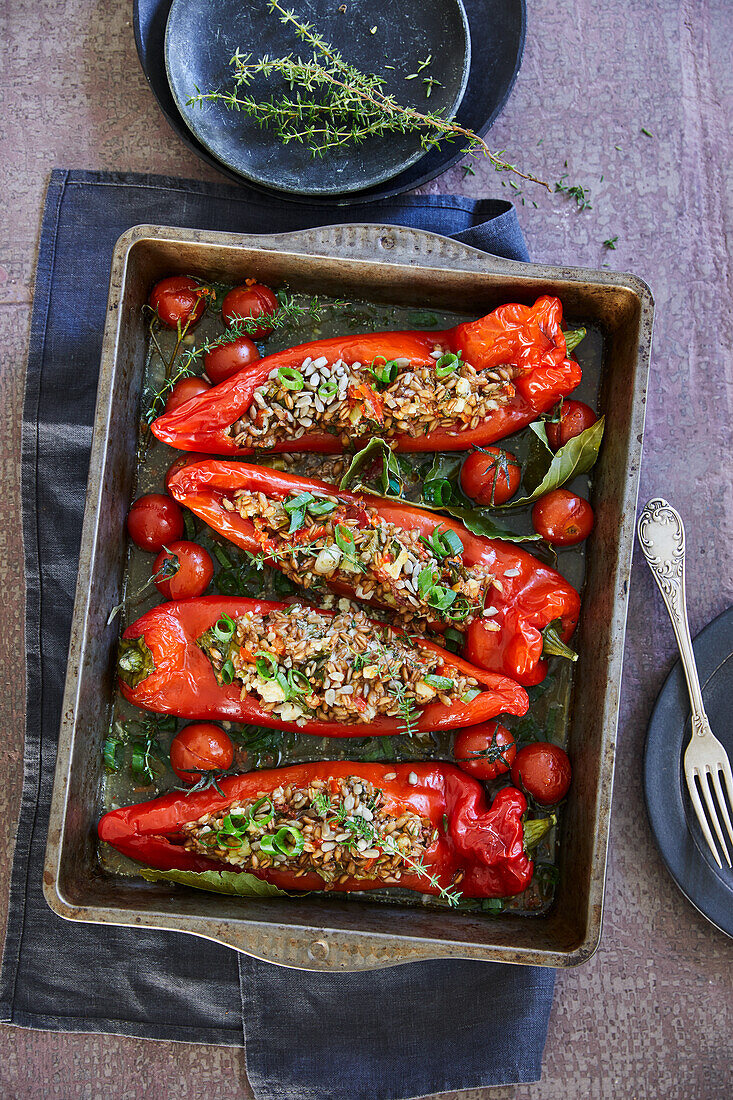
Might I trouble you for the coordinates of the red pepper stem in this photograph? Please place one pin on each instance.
(134, 661)
(573, 338)
(554, 646)
(535, 830)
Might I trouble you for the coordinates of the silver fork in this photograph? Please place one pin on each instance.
(662, 538)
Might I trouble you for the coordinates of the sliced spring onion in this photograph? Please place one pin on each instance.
(287, 841)
(442, 683)
(322, 507)
(228, 840)
(452, 541)
(443, 543)
(470, 694)
(254, 817)
(266, 671)
(298, 682)
(438, 492)
(345, 540)
(228, 826)
(447, 364)
(460, 609)
(227, 671)
(385, 372)
(425, 580)
(109, 753)
(327, 390)
(298, 503)
(224, 629)
(297, 519)
(441, 597)
(290, 379)
(140, 762)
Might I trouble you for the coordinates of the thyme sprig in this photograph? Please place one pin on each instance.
(361, 829)
(157, 404)
(289, 312)
(332, 104)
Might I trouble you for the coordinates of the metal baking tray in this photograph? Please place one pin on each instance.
(398, 266)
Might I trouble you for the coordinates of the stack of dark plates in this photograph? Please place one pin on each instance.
(466, 54)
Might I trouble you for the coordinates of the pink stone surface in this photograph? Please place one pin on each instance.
(649, 1016)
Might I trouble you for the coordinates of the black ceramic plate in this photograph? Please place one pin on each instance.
(495, 63)
(370, 34)
(671, 815)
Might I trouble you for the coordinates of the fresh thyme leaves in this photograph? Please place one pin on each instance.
(408, 711)
(169, 568)
(322, 803)
(332, 104)
(468, 170)
(157, 404)
(146, 752)
(580, 195)
(289, 313)
(610, 243)
(646, 132)
(361, 829)
(430, 82)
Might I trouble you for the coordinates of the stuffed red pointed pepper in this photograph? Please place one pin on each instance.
(299, 668)
(341, 825)
(424, 391)
(428, 568)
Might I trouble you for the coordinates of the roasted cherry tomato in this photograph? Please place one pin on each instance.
(195, 570)
(575, 417)
(179, 298)
(543, 771)
(184, 390)
(249, 301)
(562, 518)
(486, 750)
(154, 521)
(490, 476)
(200, 747)
(224, 360)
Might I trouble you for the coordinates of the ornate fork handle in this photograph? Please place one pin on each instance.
(662, 538)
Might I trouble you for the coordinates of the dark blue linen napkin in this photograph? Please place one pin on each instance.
(394, 1033)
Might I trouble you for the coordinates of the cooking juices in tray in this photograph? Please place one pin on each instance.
(279, 650)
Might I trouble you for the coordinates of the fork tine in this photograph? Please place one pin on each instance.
(714, 817)
(721, 800)
(695, 796)
(727, 775)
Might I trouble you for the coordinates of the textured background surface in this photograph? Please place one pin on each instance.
(650, 1015)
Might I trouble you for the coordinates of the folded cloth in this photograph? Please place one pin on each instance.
(401, 1032)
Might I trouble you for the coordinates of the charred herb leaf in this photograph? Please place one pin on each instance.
(237, 883)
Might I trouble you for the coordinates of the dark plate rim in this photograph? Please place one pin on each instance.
(385, 177)
(702, 886)
(396, 186)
